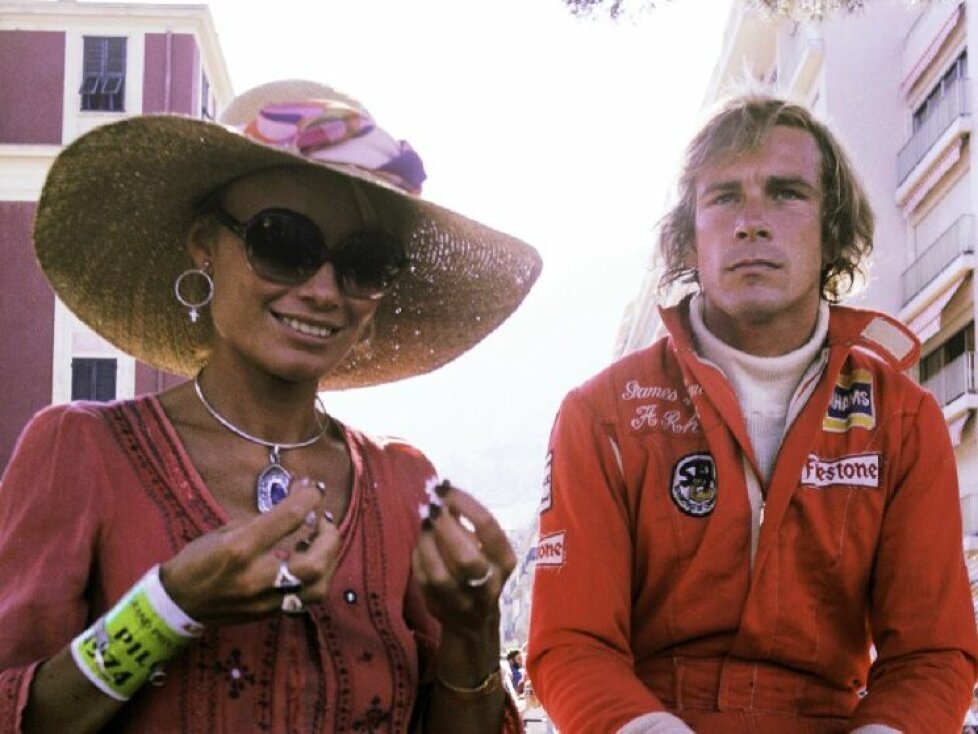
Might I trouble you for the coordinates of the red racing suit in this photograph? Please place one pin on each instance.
(668, 578)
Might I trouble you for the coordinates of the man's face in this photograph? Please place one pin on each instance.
(758, 242)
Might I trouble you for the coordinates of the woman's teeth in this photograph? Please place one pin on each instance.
(303, 328)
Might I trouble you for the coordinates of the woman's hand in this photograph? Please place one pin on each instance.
(461, 561)
(228, 575)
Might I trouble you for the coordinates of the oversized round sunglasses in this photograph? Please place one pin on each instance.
(287, 247)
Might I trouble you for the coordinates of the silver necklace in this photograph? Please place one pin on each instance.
(273, 482)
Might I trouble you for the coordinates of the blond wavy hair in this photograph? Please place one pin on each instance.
(741, 125)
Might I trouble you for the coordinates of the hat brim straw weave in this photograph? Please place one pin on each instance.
(111, 236)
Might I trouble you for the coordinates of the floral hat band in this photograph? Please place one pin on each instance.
(335, 132)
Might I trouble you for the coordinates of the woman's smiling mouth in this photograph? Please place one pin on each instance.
(304, 327)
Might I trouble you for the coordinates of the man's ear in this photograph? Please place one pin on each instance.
(202, 241)
(690, 258)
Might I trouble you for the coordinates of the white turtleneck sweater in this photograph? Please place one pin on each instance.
(764, 385)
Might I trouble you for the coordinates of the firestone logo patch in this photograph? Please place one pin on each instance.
(551, 549)
(858, 470)
(852, 404)
(694, 484)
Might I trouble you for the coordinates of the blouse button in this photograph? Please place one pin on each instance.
(350, 596)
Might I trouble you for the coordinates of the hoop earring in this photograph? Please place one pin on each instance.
(192, 306)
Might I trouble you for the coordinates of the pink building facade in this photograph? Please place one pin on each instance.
(70, 67)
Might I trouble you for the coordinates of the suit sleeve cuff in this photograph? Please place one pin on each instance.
(658, 722)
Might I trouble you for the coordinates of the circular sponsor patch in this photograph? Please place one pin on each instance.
(694, 484)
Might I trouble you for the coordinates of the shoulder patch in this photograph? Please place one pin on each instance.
(852, 404)
(694, 484)
(546, 501)
(551, 549)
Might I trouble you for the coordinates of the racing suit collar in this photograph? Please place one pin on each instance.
(861, 328)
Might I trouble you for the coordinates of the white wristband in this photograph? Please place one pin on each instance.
(176, 619)
(130, 643)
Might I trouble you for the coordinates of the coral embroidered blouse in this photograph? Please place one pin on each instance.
(97, 493)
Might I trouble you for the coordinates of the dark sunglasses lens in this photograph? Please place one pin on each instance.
(284, 246)
(368, 262)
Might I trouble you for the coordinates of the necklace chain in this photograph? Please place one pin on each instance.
(275, 446)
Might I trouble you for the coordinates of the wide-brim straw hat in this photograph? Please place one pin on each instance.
(117, 206)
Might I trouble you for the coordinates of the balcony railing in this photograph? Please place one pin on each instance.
(955, 241)
(955, 380)
(969, 519)
(951, 106)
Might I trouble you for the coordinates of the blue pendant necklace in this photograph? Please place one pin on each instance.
(274, 480)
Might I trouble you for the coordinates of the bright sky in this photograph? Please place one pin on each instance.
(564, 132)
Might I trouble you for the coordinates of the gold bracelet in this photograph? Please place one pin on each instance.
(492, 683)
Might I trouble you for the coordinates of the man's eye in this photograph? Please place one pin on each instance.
(724, 198)
(788, 194)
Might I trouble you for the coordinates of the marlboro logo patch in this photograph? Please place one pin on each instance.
(852, 404)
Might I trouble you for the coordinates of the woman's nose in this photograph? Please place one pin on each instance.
(324, 285)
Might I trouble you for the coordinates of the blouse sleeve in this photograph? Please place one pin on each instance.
(48, 530)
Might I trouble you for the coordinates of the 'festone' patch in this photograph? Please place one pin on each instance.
(858, 470)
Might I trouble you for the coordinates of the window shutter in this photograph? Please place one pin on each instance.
(93, 379)
(116, 56)
(82, 376)
(103, 84)
(105, 379)
(96, 51)
(89, 83)
(112, 84)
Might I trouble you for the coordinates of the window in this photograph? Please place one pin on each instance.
(206, 108)
(93, 379)
(960, 342)
(944, 86)
(103, 84)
